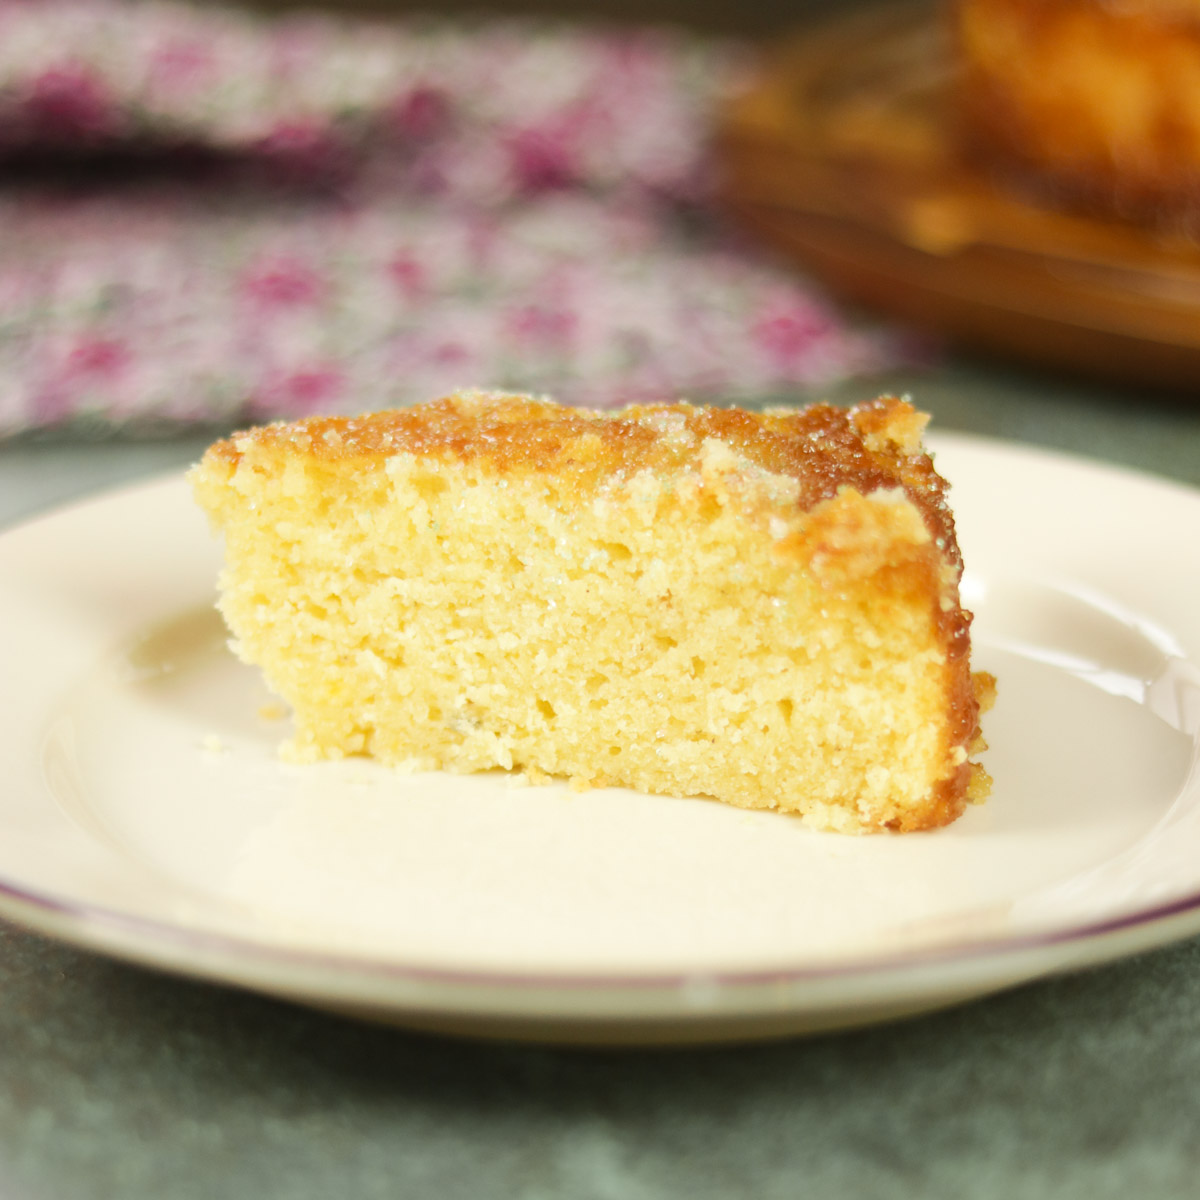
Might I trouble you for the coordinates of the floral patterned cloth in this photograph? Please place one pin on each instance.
(207, 216)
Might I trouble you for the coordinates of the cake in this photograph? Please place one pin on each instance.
(1091, 104)
(758, 608)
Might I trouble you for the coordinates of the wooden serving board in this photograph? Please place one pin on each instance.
(843, 152)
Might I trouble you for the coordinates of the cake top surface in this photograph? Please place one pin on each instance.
(873, 446)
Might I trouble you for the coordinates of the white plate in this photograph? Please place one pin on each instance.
(144, 813)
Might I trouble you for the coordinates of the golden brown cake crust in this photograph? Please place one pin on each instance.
(871, 447)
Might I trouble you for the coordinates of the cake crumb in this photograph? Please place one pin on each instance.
(212, 744)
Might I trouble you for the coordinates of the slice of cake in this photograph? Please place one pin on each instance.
(758, 608)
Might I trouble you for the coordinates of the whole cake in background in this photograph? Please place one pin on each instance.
(762, 608)
(1087, 104)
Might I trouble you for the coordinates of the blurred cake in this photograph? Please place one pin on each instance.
(1092, 104)
(758, 608)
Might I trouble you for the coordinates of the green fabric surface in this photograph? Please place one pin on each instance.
(119, 1082)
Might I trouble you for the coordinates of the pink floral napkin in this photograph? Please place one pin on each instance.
(209, 217)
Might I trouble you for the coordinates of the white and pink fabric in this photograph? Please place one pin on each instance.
(209, 217)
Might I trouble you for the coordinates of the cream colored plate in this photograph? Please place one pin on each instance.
(145, 815)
